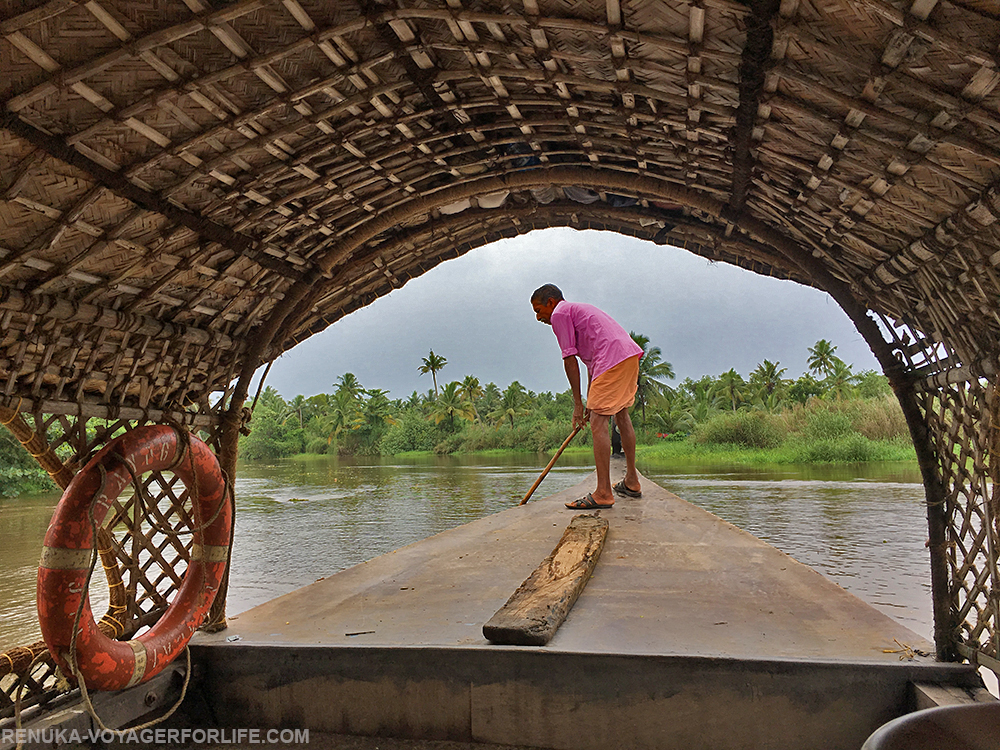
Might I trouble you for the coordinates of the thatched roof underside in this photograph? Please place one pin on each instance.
(190, 188)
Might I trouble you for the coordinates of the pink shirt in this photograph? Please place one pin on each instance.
(592, 335)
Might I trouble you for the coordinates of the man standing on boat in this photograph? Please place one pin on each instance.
(612, 360)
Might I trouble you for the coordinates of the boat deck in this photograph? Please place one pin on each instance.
(672, 580)
(684, 613)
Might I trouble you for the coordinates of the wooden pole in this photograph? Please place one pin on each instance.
(945, 627)
(551, 463)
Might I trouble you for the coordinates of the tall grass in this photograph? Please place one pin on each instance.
(880, 419)
(750, 429)
(526, 436)
(850, 448)
(822, 431)
(854, 431)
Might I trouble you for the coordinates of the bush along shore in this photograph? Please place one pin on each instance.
(19, 473)
(828, 415)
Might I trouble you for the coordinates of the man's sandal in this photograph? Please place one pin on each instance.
(621, 489)
(587, 503)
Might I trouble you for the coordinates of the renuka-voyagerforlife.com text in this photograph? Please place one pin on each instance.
(231, 736)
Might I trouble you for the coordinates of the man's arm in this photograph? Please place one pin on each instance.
(572, 366)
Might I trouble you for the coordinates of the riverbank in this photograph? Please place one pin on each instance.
(19, 473)
(665, 453)
(851, 449)
(660, 453)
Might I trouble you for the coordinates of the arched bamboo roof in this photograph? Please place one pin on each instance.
(189, 188)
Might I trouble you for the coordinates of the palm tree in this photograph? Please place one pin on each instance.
(512, 404)
(297, 407)
(376, 414)
(651, 373)
(449, 404)
(821, 357)
(471, 391)
(271, 398)
(433, 364)
(342, 413)
(672, 413)
(841, 379)
(348, 383)
(702, 398)
(732, 387)
(490, 400)
(767, 380)
(377, 407)
(770, 402)
(319, 402)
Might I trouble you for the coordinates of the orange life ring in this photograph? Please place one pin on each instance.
(107, 664)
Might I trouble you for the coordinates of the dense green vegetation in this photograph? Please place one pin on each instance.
(829, 414)
(19, 473)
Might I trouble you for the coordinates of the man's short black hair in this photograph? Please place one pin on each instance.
(546, 292)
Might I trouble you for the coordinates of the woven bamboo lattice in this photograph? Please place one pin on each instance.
(189, 188)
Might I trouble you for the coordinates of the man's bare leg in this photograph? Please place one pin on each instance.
(602, 458)
(627, 431)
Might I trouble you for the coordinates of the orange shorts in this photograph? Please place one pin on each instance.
(614, 390)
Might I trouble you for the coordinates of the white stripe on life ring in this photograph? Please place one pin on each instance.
(210, 553)
(139, 667)
(59, 558)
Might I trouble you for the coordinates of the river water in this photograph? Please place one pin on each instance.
(300, 520)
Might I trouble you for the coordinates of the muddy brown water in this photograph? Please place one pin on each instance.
(299, 520)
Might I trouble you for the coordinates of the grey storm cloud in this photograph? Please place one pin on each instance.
(706, 317)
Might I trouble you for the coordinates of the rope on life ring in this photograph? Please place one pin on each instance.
(68, 555)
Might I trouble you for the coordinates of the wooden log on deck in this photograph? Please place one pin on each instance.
(536, 610)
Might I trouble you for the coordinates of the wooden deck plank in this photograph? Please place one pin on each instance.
(536, 610)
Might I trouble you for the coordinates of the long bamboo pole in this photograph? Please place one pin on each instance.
(551, 463)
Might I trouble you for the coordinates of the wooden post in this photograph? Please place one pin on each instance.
(937, 519)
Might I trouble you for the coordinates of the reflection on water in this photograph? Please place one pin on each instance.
(299, 520)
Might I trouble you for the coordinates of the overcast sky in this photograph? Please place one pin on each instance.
(475, 311)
